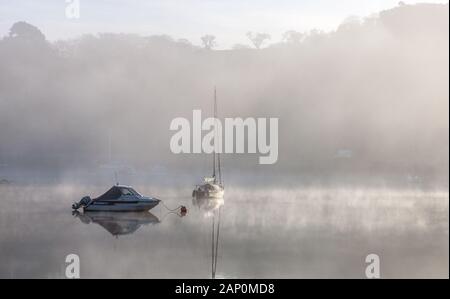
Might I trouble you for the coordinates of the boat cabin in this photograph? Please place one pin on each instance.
(118, 191)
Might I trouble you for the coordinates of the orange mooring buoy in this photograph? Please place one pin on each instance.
(183, 210)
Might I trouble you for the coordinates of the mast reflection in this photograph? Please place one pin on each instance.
(212, 208)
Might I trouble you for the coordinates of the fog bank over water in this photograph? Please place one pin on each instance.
(370, 98)
(301, 233)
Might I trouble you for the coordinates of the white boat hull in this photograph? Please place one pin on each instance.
(217, 194)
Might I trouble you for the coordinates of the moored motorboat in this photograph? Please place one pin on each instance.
(119, 198)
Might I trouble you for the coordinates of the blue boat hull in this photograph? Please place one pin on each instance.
(122, 206)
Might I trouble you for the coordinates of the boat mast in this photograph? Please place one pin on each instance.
(215, 138)
(110, 148)
(215, 122)
(220, 171)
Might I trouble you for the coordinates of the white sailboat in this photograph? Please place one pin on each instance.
(212, 187)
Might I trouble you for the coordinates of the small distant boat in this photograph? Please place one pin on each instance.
(119, 198)
(212, 187)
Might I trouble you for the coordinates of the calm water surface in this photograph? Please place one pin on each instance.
(253, 233)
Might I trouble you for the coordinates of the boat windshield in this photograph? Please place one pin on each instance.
(129, 191)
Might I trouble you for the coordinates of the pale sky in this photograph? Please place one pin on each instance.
(228, 20)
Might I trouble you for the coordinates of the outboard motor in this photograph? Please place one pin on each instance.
(84, 202)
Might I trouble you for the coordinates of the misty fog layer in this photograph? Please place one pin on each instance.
(274, 233)
(375, 89)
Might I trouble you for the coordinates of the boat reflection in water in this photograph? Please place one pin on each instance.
(118, 224)
(212, 208)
